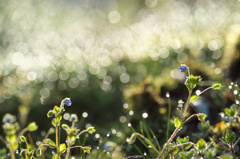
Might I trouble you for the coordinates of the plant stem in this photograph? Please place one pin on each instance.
(190, 118)
(148, 141)
(183, 144)
(176, 130)
(169, 140)
(12, 154)
(68, 150)
(56, 132)
(205, 90)
(81, 133)
(1, 138)
(169, 112)
(187, 104)
(21, 133)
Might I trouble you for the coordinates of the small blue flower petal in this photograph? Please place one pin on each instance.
(183, 68)
(106, 146)
(73, 118)
(68, 102)
(8, 120)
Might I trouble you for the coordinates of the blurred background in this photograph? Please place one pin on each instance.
(116, 60)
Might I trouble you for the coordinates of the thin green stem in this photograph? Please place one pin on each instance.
(99, 156)
(183, 144)
(190, 118)
(169, 140)
(56, 132)
(169, 112)
(188, 71)
(21, 133)
(81, 133)
(148, 141)
(76, 147)
(205, 90)
(187, 104)
(44, 145)
(1, 138)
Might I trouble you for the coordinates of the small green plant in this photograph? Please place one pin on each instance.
(72, 132)
(11, 127)
(12, 140)
(180, 148)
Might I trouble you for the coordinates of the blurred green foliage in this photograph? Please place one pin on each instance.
(115, 59)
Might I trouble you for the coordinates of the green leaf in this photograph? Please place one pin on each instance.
(51, 130)
(193, 98)
(228, 112)
(23, 152)
(54, 122)
(56, 109)
(203, 126)
(132, 139)
(29, 155)
(187, 155)
(23, 139)
(201, 117)
(3, 151)
(62, 148)
(194, 80)
(217, 86)
(39, 152)
(230, 137)
(32, 126)
(55, 156)
(65, 126)
(86, 149)
(50, 113)
(189, 85)
(226, 156)
(91, 130)
(201, 145)
(51, 143)
(177, 123)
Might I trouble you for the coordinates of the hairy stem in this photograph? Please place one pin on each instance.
(56, 132)
(1, 138)
(183, 144)
(187, 104)
(12, 154)
(81, 133)
(169, 113)
(68, 150)
(169, 140)
(21, 133)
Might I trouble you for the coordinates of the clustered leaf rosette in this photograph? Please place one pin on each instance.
(192, 81)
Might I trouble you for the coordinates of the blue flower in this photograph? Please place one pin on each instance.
(183, 68)
(7, 120)
(73, 118)
(68, 102)
(106, 146)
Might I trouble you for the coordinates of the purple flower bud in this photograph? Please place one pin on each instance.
(183, 68)
(68, 102)
(73, 118)
(7, 120)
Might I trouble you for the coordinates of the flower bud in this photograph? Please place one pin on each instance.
(183, 68)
